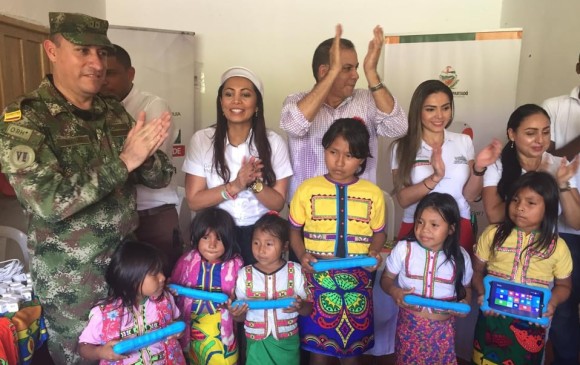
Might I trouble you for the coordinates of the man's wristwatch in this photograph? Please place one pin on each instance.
(257, 186)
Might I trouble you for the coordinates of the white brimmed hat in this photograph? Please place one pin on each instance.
(245, 73)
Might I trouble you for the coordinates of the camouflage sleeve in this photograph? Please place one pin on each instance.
(156, 171)
(45, 187)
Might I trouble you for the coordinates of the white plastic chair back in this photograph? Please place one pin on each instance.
(19, 237)
(389, 216)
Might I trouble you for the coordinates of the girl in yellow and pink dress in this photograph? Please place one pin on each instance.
(524, 249)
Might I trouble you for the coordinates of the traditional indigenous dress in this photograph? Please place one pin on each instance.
(272, 334)
(210, 338)
(339, 220)
(113, 321)
(507, 340)
(421, 340)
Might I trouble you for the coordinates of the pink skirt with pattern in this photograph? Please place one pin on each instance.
(421, 341)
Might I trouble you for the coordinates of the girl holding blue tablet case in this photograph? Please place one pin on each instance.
(522, 257)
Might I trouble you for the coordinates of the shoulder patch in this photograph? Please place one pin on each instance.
(19, 132)
(13, 116)
(21, 156)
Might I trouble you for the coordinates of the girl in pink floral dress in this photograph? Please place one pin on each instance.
(136, 305)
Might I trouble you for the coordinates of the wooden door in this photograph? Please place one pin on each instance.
(23, 62)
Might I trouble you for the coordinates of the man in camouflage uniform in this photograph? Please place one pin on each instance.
(73, 157)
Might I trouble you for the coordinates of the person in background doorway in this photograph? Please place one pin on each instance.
(564, 112)
(158, 220)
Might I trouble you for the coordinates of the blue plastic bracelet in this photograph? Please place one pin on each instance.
(437, 304)
(266, 304)
(215, 297)
(347, 263)
(136, 343)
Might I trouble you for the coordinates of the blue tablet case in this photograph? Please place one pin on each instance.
(517, 299)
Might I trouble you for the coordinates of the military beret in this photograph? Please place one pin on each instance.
(80, 29)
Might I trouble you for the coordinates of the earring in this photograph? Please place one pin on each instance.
(512, 145)
(256, 114)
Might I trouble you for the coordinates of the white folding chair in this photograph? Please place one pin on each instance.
(11, 233)
(185, 215)
(389, 216)
(385, 310)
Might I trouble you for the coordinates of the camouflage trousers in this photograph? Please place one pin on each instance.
(66, 299)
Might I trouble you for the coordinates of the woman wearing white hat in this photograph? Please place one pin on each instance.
(238, 164)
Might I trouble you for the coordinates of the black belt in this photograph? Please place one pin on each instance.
(156, 210)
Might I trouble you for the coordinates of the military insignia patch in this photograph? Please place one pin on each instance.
(19, 132)
(13, 116)
(21, 156)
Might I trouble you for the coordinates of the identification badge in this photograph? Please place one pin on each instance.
(21, 156)
(19, 132)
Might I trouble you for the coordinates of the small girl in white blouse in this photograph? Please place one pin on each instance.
(271, 334)
(429, 263)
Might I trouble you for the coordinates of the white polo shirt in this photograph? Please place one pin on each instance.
(246, 208)
(138, 101)
(457, 151)
(564, 112)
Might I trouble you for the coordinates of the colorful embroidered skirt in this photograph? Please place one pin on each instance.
(271, 351)
(206, 346)
(341, 323)
(507, 341)
(422, 341)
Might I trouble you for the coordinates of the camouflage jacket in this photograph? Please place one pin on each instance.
(64, 165)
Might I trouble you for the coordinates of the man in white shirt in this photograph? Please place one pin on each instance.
(158, 220)
(564, 114)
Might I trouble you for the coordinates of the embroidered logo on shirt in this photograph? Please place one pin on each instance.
(460, 160)
(422, 162)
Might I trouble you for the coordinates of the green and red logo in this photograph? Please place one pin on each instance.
(449, 77)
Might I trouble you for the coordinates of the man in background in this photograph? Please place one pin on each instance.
(72, 157)
(564, 112)
(306, 116)
(158, 220)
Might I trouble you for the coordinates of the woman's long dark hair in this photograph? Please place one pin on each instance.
(545, 186)
(447, 207)
(512, 169)
(130, 263)
(410, 143)
(222, 223)
(258, 136)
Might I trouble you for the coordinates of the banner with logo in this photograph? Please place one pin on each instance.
(480, 68)
(164, 66)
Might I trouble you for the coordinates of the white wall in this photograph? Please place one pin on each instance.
(36, 11)
(550, 46)
(277, 39)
